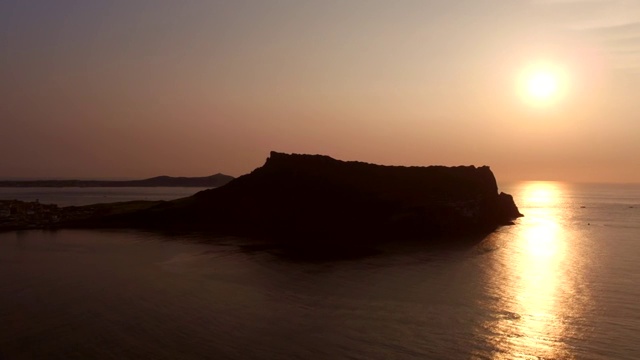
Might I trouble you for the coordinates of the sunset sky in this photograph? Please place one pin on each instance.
(536, 89)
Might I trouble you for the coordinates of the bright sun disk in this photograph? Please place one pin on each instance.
(542, 85)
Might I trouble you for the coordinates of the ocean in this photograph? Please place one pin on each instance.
(562, 283)
(88, 196)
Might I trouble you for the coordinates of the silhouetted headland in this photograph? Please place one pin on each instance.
(158, 181)
(301, 198)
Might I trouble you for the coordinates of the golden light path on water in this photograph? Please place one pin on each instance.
(535, 286)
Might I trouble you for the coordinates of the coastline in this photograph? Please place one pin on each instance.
(32, 215)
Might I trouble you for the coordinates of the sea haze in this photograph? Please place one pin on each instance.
(561, 284)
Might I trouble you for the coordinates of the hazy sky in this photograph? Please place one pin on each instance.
(189, 88)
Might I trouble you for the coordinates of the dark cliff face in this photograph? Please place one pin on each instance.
(302, 197)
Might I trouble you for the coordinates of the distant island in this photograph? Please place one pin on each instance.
(216, 180)
(315, 198)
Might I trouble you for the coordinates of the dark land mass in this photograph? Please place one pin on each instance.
(315, 199)
(216, 180)
(22, 215)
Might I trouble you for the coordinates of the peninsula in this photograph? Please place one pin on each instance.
(315, 197)
(158, 181)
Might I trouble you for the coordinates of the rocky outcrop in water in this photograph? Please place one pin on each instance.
(303, 197)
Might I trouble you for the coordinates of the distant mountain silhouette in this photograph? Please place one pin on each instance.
(158, 181)
(302, 198)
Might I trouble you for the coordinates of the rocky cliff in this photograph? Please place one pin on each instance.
(317, 197)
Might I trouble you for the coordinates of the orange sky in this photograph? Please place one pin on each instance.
(135, 89)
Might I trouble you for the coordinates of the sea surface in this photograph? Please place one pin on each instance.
(562, 283)
(74, 196)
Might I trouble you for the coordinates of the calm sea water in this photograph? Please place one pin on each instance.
(562, 283)
(87, 196)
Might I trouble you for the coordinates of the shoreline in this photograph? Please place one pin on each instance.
(18, 215)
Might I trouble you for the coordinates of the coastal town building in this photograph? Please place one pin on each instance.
(15, 213)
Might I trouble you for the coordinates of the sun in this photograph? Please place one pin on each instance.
(542, 85)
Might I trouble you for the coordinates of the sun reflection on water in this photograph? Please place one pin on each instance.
(534, 279)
